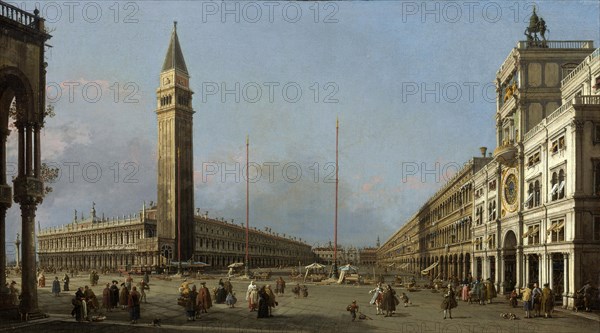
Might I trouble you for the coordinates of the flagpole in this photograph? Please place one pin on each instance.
(337, 131)
(247, 200)
(179, 271)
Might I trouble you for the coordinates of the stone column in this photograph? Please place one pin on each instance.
(499, 270)
(526, 269)
(28, 276)
(550, 273)
(567, 272)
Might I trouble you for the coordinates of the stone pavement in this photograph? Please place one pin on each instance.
(322, 311)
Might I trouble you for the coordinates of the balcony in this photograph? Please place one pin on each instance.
(587, 100)
(557, 44)
(21, 17)
(506, 153)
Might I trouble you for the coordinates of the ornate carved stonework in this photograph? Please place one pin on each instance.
(510, 190)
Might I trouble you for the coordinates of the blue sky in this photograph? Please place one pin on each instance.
(409, 89)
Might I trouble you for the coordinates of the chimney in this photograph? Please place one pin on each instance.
(483, 150)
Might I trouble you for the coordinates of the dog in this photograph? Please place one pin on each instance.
(155, 322)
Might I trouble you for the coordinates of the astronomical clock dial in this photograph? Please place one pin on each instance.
(510, 190)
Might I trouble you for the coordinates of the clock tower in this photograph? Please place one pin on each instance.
(175, 195)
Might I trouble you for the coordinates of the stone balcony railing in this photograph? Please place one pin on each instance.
(20, 16)
(587, 99)
(506, 152)
(588, 60)
(559, 44)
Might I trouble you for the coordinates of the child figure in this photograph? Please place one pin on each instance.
(405, 300)
(353, 308)
(513, 298)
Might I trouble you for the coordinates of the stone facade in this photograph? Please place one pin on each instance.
(131, 242)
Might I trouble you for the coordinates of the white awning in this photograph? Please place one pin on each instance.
(529, 232)
(554, 189)
(529, 197)
(426, 270)
(561, 186)
(556, 227)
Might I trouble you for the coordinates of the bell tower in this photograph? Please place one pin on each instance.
(175, 195)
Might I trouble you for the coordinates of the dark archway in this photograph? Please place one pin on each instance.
(509, 249)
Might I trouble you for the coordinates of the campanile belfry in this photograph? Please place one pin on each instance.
(175, 195)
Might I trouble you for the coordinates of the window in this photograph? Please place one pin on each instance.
(479, 215)
(597, 228)
(536, 193)
(597, 131)
(561, 184)
(566, 69)
(530, 193)
(533, 159)
(557, 230)
(532, 234)
(478, 243)
(554, 188)
(491, 240)
(492, 185)
(557, 145)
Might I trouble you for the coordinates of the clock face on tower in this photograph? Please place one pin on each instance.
(511, 190)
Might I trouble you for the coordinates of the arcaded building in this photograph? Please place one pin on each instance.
(169, 230)
(534, 206)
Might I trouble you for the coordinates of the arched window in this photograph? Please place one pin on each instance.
(561, 184)
(554, 188)
(536, 193)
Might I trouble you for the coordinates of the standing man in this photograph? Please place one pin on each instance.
(56, 287)
(449, 302)
(536, 298)
(204, 300)
(190, 304)
(143, 287)
(134, 305)
(547, 301)
(114, 294)
(66, 282)
(106, 301)
(526, 297)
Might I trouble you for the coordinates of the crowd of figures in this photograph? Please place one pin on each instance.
(537, 302)
(125, 296)
(259, 299)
